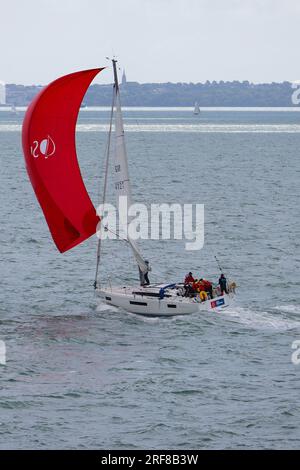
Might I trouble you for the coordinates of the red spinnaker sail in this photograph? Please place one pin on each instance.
(50, 153)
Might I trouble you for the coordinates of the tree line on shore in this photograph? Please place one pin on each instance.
(175, 94)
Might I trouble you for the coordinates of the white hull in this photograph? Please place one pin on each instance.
(144, 301)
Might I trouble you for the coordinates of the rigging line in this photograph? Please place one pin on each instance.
(115, 233)
(218, 263)
(105, 184)
(220, 268)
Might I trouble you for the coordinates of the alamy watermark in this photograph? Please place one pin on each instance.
(157, 222)
(296, 354)
(2, 353)
(296, 93)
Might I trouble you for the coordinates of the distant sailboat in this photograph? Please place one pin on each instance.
(196, 108)
(13, 110)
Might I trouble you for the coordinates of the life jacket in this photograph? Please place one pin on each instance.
(203, 295)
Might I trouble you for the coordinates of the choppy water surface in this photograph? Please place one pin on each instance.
(84, 376)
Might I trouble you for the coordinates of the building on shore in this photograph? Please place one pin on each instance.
(124, 79)
(2, 93)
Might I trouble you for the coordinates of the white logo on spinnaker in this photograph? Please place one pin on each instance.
(2, 353)
(46, 148)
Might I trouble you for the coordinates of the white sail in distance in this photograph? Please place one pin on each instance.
(196, 108)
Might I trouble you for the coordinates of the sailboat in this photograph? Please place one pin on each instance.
(13, 110)
(48, 137)
(196, 108)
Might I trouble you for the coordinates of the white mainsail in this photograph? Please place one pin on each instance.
(121, 175)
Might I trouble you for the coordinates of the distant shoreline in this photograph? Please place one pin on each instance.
(7, 108)
(208, 94)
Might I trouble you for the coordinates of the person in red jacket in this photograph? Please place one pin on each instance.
(195, 285)
(207, 287)
(198, 285)
(189, 278)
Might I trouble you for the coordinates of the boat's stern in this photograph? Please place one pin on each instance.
(217, 304)
(220, 303)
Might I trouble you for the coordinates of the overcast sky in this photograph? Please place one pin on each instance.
(155, 40)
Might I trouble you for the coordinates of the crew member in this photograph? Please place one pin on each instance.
(195, 285)
(189, 279)
(223, 284)
(144, 279)
(207, 287)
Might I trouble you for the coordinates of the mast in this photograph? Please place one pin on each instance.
(116, 82)
(121, 173)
